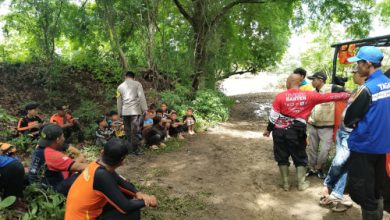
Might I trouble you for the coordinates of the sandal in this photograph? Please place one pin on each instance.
(340, 207)
(329, 201)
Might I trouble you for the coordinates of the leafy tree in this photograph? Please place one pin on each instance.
(40, 19)
(194, 43)
(384, 9)
(266, 24)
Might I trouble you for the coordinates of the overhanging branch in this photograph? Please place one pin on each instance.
(229, 6)
(183, 11)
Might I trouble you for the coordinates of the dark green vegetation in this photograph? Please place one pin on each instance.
(194, 43)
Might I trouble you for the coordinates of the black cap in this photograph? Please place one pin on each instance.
(318, 75)
(31, 106)
(115, 150)
(338, 80)
(49, 133)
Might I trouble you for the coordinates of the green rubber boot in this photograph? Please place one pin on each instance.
(284, 174)
(301, 176)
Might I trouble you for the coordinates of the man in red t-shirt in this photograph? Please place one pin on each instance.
(287, 122)
(50, 166)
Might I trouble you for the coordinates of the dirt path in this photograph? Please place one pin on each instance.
(231, 166)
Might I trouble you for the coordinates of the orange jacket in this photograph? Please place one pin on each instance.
(59, 120)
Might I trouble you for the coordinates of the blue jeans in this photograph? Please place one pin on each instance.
(337, 175)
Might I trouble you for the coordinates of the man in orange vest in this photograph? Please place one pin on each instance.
(101, 193)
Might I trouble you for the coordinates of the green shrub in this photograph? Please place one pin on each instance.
(5, 117)
(88, 112)
(7, 202)
(210, 106)
(43, 204)
(24, 144)
(177, 97)
(5, 121)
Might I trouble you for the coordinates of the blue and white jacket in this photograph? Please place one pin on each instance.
(369, 115)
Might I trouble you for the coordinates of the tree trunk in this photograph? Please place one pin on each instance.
(200, 59)
(201, 30)
(151, 31)
(108, 14)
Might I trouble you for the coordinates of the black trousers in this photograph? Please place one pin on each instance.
(64, 186)
(110, 213)
(133, 130)
(366, 173)
(12, 179)
(175, 131)
(154, 139)
(290, 142)
(74, 129)
(386, 194)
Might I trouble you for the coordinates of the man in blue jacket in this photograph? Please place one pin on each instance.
(369, 115)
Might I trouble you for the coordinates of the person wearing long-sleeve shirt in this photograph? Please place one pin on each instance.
(369, 141)
(287, 122)
(100, 193)
(131, 105)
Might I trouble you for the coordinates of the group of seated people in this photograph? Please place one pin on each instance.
(31, 124)
(105, 194)
(157, 126)
(59, 165)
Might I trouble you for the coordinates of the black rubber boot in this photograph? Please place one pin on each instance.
(370, 215)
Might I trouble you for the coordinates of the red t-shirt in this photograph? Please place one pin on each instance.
(295, 104)
(58, 161)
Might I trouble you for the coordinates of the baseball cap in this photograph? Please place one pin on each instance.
(318, 75)
(49, 133)
(115, 150)
(368, 53)
(31, 106)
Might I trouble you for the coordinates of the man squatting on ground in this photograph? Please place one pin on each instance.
(287, 122)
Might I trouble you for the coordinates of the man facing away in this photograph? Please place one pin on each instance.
(131, 105)
(287, 122)
(369, 140)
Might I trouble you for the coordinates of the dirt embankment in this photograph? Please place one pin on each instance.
(231, 168)
(23, 83)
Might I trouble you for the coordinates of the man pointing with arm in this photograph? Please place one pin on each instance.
(287, 122)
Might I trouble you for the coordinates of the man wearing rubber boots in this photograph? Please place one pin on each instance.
(369, 140)
(287, 122)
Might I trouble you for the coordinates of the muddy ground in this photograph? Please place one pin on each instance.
(227, 172)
